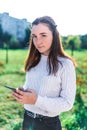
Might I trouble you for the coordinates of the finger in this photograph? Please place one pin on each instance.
(30, 90)
(21, 88)
(20, 92)
(15, 97)
(14, 94)
(18, 96)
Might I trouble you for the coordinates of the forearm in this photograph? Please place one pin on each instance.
(55, 105)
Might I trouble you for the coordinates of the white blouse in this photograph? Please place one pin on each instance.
(56, 94)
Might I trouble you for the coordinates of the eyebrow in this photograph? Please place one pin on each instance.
(40, 33)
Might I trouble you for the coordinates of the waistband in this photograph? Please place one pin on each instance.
(34, 115)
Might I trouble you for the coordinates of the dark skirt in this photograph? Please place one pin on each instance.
(49, 123)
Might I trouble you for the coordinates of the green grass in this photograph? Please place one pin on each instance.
(11, 112)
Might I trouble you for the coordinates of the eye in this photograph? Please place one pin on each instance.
(43, 35)
(33, 36)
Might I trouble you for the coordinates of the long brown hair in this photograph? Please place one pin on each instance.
(56, 50)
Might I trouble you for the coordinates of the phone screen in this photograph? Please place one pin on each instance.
(9, 87)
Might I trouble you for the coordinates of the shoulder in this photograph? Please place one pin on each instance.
(65, 62)
(66, 68)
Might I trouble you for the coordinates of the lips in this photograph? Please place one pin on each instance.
(40, 46)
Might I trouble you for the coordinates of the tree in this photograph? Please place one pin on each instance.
(84, 41)
(6, 39)
(14, 43)
(73, 43)
(1, 37)
(64, 41)
(27, 36)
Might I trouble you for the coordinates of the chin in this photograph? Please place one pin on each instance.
(41, 51)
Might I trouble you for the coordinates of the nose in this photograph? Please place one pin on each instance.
(39, 41)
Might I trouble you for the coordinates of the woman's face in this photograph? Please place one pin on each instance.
(42, 38)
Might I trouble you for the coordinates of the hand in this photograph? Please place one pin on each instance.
(25, 97)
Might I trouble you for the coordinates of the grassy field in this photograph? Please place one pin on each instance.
(11, 112)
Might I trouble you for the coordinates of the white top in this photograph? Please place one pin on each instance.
(56, 94)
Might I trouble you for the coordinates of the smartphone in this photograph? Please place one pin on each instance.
(10, 87)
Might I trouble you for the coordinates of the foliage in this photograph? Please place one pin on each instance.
(11, 41)
(14, 43)
(84, 41)
(75, 42)
(6, 38)
(27, 36)
(78, 119)
(64, 41)
(1, 36)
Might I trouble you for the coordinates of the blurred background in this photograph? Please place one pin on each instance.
(15, 28)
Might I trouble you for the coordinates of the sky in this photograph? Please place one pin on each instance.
(69, 15)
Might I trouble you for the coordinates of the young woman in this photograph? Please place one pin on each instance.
(50, 84)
